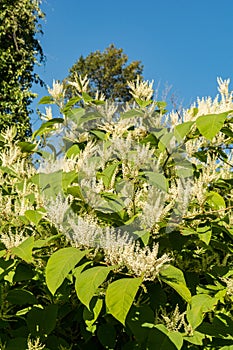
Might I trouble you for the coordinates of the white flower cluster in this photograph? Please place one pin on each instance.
(142, 90)
(57, 209)
(34, 344)
(84, 232)
(57, 91)
(229, 283)
(119, 248)
(49, 166)
(154, 209)
(206, 105)
(48, 114)
(81, 84)
(10, 155)
(12, 239)
(140, 261)
(173, 321)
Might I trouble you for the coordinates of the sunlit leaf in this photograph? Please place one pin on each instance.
(120, 296)
(209, 125)
(60, 264)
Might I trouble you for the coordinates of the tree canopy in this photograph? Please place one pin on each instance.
(108, 73)
(20, 50)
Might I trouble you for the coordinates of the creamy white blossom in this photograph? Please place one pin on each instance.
(48, 114)
(142, 90)
(81, 84)
(143, 262)
(12, 239)
(154, 209)
(48, 166)
(9, 134)
(174, 320)
(119, 248)
(223, 87)
(229, 282)
(100, 96)
(57, 90)
(34, 344)
(84, 231)
(205, 105)
(10, 155)
(57, 209)
(108, 110)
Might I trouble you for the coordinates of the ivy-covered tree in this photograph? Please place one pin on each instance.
(108, 73)
(20, 50)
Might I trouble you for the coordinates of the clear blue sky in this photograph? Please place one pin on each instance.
(183, 43)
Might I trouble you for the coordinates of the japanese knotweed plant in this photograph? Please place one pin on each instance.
(127, 242)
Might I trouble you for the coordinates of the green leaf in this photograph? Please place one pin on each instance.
(199, 305)
(204, 233)
(24, 250)
(209, 125)
(90, 316)
(86, 97)
(23, 272)
(74, 150)
(75, 114)
(106, 334)
(182, 130)
(70, 104)
(60, 264)
(184, 168)
(88, 117)
(112, 203)
(100, 134)
(161, 339)
(132, 113)
(165, 140)
(68, 178)
(75, 191)
(33, 216)
(120, 296)
(21, 297)
(144, 235)
(161, 104)
(47, 127)
(215, 200)
(108, 174)
(143, 103)
(2, 253)
(88, 282)
(196, 338)
(46, 100)
(44, 242)
(137, 316)
(175, 279)
(42, 322)
(158, 180)
(51, 184)
(175, 337)
(19, 343)
(227, 131)
(27, 147)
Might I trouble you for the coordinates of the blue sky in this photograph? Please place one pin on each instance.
(185, 44)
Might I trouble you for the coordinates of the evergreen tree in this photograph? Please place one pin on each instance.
(108, 73)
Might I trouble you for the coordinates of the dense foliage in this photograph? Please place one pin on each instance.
(121, 237)
(108, 73)
(19, 51)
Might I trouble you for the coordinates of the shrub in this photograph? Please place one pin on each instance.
(121, 236)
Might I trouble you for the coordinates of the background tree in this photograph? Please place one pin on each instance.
(108, 73)
(20, 50)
